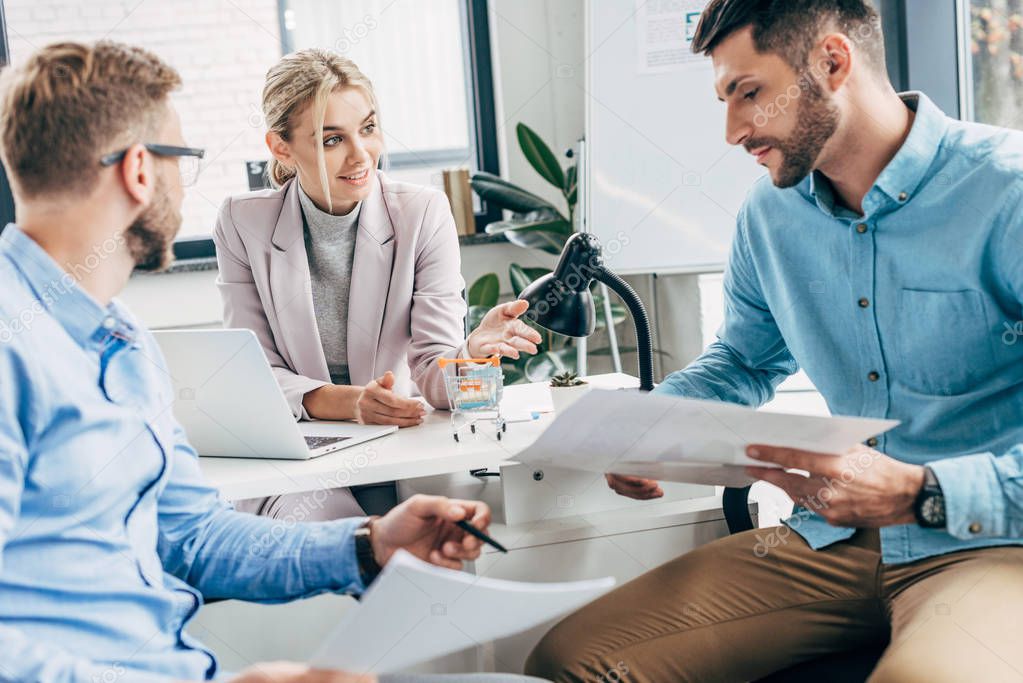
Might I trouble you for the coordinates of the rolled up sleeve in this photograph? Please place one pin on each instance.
(983, 494)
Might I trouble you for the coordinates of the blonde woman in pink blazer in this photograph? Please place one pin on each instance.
(351, 280)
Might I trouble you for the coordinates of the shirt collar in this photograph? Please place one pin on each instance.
(907, 170)
(84, 319)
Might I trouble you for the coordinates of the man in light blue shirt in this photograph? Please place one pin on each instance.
(883, 256)
(110, 539)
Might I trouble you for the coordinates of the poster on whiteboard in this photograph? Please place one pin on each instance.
(665, 35)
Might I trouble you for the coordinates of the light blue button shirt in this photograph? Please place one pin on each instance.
(924, 290)
(109, 536)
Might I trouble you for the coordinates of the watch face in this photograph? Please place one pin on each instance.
(932, 510)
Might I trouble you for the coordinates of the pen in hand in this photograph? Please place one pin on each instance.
(473, 531)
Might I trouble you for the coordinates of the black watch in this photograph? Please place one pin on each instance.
(368, 567)
(929, 507)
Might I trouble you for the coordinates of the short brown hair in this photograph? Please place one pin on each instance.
(69, 104)
(791, 28)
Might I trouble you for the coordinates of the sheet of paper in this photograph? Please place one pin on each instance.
(664, 34)
(527, 398)
(701, 442)
(415, 612)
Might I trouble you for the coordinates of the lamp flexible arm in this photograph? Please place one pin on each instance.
(635, 306)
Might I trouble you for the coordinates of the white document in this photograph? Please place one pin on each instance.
(416, 611)
(673, 439)
(530, 398)
(664, 34)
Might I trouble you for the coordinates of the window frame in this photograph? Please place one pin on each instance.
(931, 57)
(483, 123)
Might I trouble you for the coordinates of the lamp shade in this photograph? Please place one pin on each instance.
(561, 301)
(555, 307)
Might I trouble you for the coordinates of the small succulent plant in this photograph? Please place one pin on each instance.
(566, 379)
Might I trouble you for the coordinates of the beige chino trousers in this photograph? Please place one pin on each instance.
(729, 611)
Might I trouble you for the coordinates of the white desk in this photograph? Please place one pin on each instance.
(423, 451)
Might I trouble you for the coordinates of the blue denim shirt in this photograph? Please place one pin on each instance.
(924, 290)
(109, 537)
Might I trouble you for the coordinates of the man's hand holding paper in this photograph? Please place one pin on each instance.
(861, 488)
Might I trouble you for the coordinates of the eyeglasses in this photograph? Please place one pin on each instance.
(188, 159)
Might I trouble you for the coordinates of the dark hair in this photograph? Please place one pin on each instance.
(791, 28)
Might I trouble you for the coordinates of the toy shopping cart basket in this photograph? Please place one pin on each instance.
(474, 387)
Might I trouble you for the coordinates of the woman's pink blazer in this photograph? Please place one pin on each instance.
(406, 307)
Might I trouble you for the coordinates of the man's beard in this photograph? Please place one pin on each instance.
(816, 123)
(151, 236)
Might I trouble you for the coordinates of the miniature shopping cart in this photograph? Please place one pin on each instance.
(474, 387)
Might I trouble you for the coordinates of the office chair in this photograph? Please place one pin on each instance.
(853, 666)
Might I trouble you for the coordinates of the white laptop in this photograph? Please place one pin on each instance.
(229, 403)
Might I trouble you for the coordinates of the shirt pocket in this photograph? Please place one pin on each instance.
(944, 341)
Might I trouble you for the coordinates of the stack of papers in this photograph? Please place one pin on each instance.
(415, 612)
(672, 439)
(526, 402)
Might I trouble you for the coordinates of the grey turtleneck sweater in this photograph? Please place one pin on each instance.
(330, 248)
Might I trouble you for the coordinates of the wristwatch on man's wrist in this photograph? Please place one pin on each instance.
(368, 567)
(929, 507)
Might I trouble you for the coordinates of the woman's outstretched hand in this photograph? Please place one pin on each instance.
(502, 333)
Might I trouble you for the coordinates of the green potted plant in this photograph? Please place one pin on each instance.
(566, 389)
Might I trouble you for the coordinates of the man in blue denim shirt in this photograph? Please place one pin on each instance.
(109, 536)
(884, 256)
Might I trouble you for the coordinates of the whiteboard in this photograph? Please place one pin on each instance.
(663, 188)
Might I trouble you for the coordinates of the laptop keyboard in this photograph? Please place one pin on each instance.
(315, 442)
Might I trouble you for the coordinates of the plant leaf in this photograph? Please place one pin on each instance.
(543, 366)
(485, 291)
(571, 189)
(547, 235)
(476, 313)
(540, 156)
(549, 242)
(499, 191)
(522, 277)
(617, 311)
(606, 351)
(538, 220)
(512, 375)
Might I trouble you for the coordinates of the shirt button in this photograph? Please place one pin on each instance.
(976, 528)
(872, 442)
(873, 376)
(864, 302)
(861, 228)
(903, 196)
(109, 323)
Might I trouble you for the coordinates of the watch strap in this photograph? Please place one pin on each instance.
(368, 567)
(930, 495)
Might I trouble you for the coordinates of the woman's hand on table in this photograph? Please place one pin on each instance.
(378, 404)
(374, 404)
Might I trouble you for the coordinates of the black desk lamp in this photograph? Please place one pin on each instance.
(561, 301)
